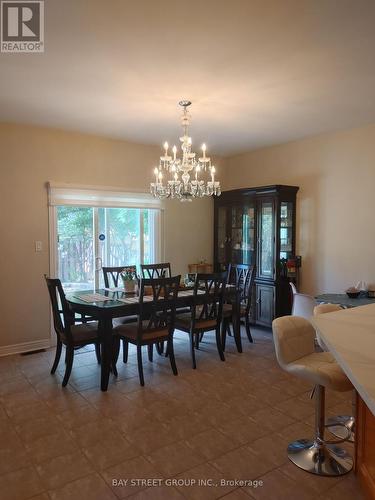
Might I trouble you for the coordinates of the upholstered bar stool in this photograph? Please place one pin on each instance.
(326, 308)
(322, 309)
(303, 305)
(347, 420)
(295, 351)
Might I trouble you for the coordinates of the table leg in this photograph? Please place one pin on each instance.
(105, 330)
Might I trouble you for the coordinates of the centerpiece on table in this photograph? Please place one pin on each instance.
(129, 278)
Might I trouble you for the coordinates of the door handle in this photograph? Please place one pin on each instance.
(98, 263)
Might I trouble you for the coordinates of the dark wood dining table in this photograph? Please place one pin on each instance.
(105, 311)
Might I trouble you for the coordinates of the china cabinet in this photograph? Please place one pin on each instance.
(256, 226)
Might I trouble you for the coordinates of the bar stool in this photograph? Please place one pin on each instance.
(347, 420)
(322, 309)
(295, 351)
(303, 304)
(326, 308)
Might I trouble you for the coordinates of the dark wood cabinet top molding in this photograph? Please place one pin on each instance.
(255, 191)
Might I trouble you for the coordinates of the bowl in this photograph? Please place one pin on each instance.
(353, 295)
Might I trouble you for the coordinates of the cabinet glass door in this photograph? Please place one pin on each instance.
(286, 229)
(222, 235)
(242, 235)
(266, 240)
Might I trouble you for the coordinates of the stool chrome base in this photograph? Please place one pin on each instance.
(324, 460)
(335, 426)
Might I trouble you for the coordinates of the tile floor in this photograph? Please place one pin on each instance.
(224, 421)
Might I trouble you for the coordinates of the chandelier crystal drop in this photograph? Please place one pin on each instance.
(181, 178)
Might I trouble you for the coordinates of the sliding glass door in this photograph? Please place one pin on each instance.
(91, 237)
(75, 247)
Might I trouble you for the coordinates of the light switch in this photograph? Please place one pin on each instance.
(38, 246)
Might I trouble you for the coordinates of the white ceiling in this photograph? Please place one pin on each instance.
(259, 72)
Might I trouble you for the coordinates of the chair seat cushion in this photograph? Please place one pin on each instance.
(183, 322)
(320, 368)
(130, 331)
(84, 333)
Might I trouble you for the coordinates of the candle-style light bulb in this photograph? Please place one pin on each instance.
(204, 147)
(174, 149)
(166, 147)
(156, 172)
(160, 176)
(213, 170)
(197, 170)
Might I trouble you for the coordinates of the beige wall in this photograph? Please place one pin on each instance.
(335, 227)
(30, 156)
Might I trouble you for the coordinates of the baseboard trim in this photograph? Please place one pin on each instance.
(34, 345)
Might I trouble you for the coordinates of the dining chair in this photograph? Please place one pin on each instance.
(156, 321)
(241, 276)
(112, 275)
(153, 271)
(162, 270)
(206, 311)
(72, 336)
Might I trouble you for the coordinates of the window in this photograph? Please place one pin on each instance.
(84, 238)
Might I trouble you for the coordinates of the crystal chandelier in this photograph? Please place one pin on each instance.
(185, 182)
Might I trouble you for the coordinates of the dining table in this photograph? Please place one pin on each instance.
(116, 303)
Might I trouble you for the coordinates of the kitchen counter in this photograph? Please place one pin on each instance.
(350, 336)
(344, 300)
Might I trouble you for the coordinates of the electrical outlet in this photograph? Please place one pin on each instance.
(38, 246)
